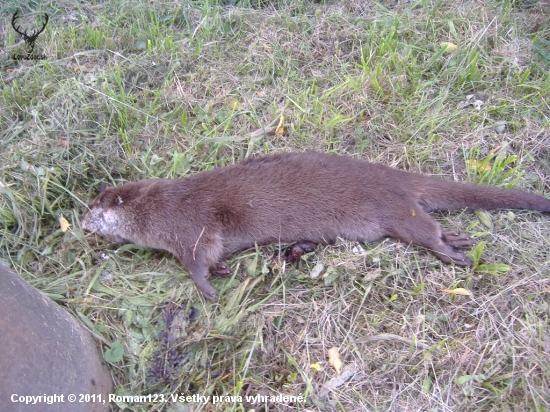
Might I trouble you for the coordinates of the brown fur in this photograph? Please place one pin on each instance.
(288, 198)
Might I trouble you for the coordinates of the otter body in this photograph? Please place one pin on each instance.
(287, 198)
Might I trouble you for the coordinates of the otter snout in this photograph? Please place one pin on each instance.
(91, 221)
(104, 223)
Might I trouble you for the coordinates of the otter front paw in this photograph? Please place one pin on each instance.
(204, 286)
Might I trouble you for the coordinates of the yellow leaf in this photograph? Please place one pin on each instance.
(65, 225)
(233, 104)
(281, 126)
(449, 47)
(477, 165)
(458, 291)
(485, 218)
(316, 367)
(334, 359)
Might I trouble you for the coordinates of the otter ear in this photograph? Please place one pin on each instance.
(110, 199)
(103, 186)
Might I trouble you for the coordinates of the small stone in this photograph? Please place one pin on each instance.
(141, 45)
(500, 128)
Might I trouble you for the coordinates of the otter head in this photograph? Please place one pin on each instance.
(112, 214)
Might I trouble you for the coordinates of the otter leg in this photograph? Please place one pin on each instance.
(422, 230)
(207, 252)
(221, 269)
(198, 271)
(199, 274)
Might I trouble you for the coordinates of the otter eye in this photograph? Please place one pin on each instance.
(118, 200)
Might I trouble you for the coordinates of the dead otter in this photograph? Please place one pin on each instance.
(309, 197)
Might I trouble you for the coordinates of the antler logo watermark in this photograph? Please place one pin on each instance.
(29, 37)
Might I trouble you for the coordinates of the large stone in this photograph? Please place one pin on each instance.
(44, 352)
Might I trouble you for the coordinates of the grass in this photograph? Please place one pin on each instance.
(163, 89)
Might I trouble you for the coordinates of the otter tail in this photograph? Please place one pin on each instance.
(437, 194)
